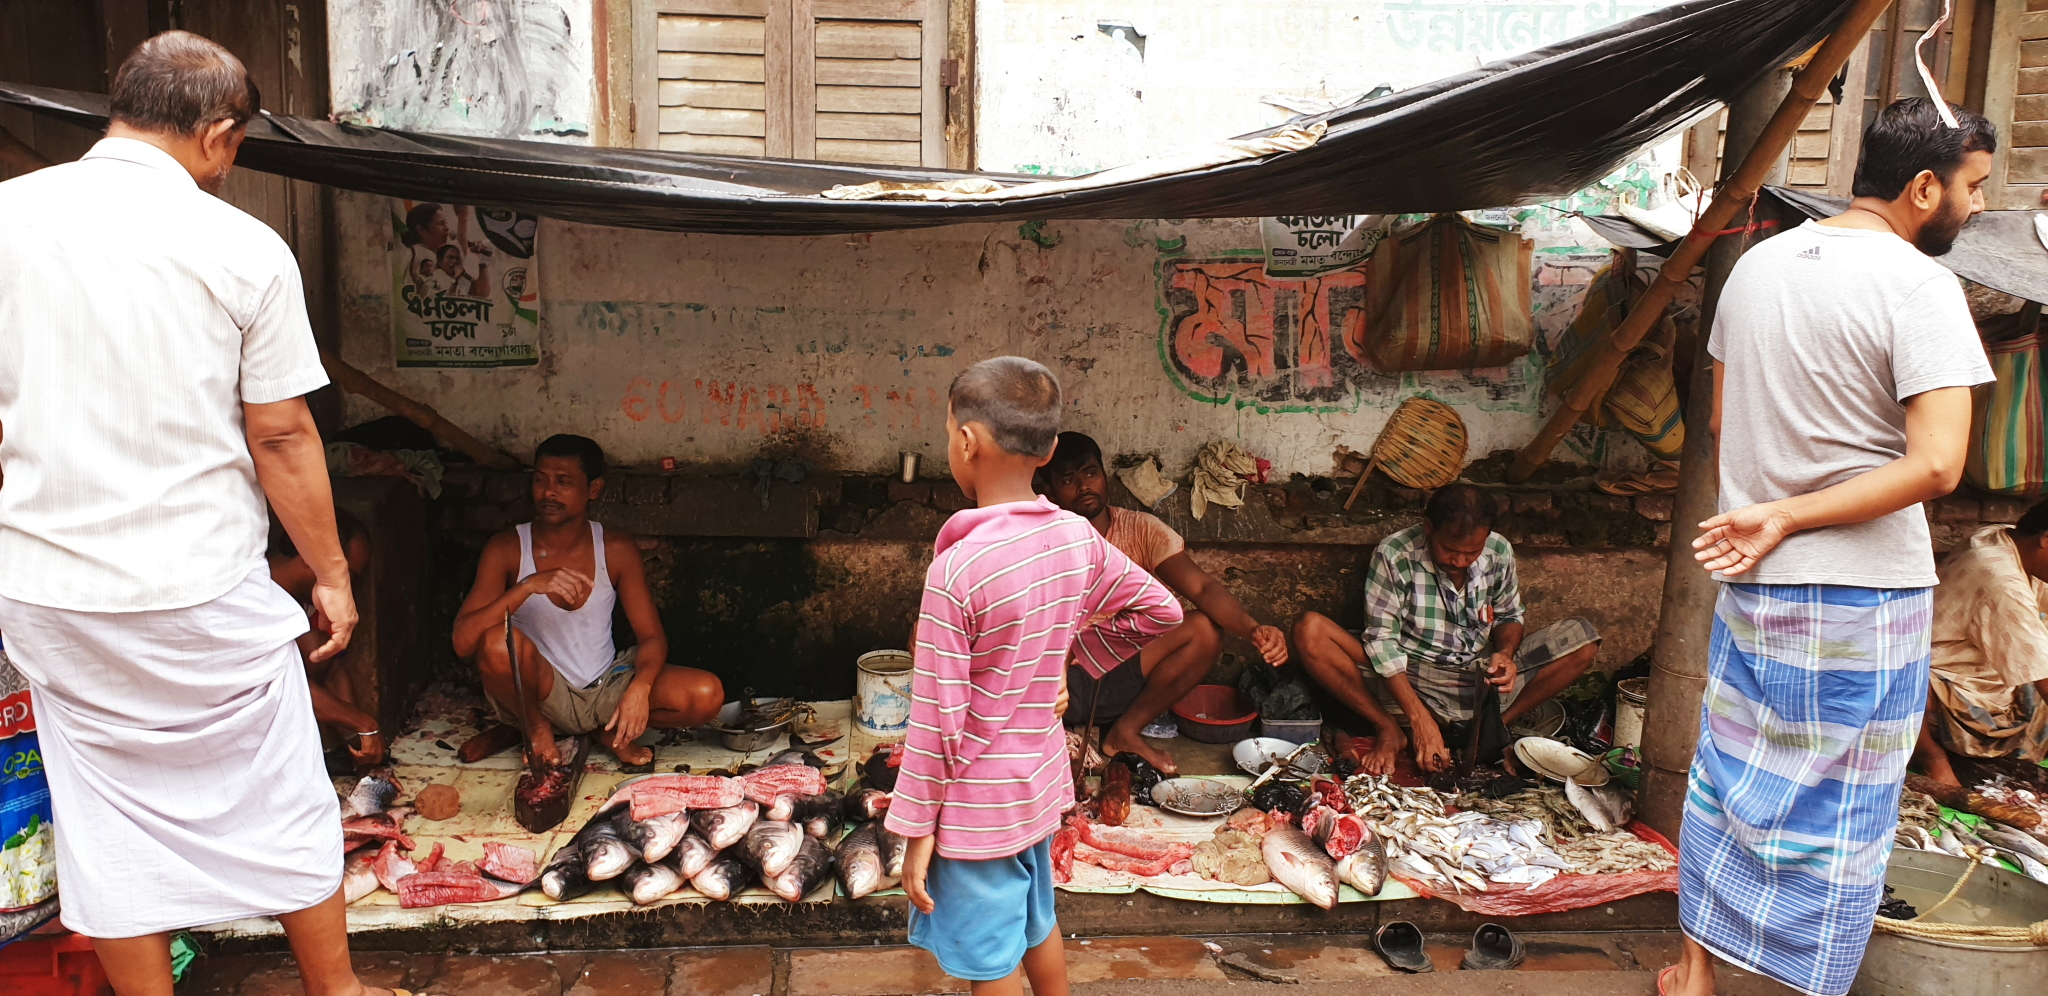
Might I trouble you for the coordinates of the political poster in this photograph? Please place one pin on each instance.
(465, 288)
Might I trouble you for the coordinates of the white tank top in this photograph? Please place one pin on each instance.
(578, 643)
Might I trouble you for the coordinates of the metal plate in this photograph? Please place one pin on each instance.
(1197, 797)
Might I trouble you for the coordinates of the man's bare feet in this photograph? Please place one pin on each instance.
(1386, 749)
(1119, 740)
(631, 754)
(540, 740)
(494, 739)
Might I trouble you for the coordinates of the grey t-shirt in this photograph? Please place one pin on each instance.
(1826, 332)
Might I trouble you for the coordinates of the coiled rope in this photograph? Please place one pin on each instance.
(2035, 933)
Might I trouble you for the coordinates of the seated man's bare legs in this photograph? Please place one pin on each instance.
(494, 664)
(1929, 754)
(1173, 664)
(1335, 659)
(683, 698)
(1550, 680)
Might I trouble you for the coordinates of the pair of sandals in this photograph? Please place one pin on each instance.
(1494, 948)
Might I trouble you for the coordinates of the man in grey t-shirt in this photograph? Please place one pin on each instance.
(1844, 358)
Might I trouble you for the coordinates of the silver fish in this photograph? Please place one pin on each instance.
(1297, 863)
(1366, 868)
(1950, 843)
(644, 883)
(722, 879)
(772, 844)
(2015, 841)
(358, 879)
(894, 847)
(781, 809)
(860, 862)
(1963, 835)
(812, 863)
(2034, 869)
(373, 794)
(693, 855)
(1604, 806)
(606, 854)
(657, 838)
(564, 879)
(722, 828)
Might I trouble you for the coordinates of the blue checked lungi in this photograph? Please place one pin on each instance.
(1813, 704)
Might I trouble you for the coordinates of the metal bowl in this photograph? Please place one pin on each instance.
(1197, 797)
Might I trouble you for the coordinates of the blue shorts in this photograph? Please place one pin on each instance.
(986, 914)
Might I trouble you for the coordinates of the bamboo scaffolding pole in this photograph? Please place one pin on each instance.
(1734, 195)
(355, 381)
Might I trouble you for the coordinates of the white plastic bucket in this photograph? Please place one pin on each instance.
(881, 699)
(1631, 695)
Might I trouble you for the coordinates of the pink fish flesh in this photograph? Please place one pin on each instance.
(442, 888)
(390, 865)
(509, 862)
(358, 879)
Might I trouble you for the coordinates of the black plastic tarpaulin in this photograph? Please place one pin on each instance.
(1527, 129)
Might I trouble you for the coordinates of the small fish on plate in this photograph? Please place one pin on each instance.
(1197, 797)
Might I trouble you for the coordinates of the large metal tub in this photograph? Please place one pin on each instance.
(1910, 966)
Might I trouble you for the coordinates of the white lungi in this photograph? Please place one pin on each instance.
(186, 780)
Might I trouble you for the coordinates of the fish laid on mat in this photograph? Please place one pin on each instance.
(1366, 868)
(770, 845)
(360, 830)
(1604, 806)
(657, 837)
(859, 857)
(373, 794)
(694, 791)
(723, 828)
(811, 865)
(894, 847)
(1339, 834)
(564, 878)
(764, 785)
(865, 804)
(644, 883)
(390, 865)
(442, 888)
(817, 814)
(358, 878)
(436, 857)
(2014, 841)
(724, 878)
(606, 854)
(1121, 840)
(509, 862)
(1297, 863)
(693, 855)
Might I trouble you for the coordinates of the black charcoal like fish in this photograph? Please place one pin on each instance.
(564, 879)
(373, 794)
(813, 862)
(693, 855)
(859, 857)
(894, 847)
(771, 845)
(722, 879)
(864, 804)
(722, 828)
(644, 883)
(657, 838)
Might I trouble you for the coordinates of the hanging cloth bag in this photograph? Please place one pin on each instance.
(1450, 295)
(2008, 443)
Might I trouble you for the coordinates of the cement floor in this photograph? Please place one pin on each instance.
(1587, 964)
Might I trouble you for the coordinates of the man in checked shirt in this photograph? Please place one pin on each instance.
(1443, 613)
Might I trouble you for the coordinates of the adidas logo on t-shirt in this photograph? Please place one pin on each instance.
(1812, 252)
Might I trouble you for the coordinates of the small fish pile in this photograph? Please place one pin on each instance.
(1918, 809)
(1376, 797)
(1615, 851)
(1469, 851)
(1562, 822)
(1995, 840)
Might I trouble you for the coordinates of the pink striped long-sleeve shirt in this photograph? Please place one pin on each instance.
(1013, 588)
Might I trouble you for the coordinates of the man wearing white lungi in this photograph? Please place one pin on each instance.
(154, 355)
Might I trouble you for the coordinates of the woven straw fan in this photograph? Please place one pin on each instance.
(1422, 446)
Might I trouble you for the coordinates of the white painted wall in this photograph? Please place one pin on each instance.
(498, 68)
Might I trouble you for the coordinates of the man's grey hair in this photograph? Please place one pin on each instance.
(1018, 400)
(179, 83)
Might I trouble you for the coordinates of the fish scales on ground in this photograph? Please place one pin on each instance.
(811, 866)
(358, 877)
(724, 878)
(564, 879)
(692, 855)
(723, 828)
(770, 845)
(441, 888)
(859, 857)
(509, 863)
(646, 882)
(1297, 863)
(373, 794)
(657, 837)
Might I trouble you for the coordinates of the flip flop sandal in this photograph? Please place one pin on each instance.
(1494, 949)
(1666, 971)
(1400, 943)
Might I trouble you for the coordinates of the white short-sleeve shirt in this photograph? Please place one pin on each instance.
(137, 314)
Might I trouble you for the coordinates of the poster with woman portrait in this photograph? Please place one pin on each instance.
(465, 292)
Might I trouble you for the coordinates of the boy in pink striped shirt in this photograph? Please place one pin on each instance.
(1015, 587)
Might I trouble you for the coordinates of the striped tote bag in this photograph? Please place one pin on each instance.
(2008, 444)
(1450, 295)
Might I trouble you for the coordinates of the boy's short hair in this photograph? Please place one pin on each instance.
(1072, 453)
(1018, 400)
(583, 448)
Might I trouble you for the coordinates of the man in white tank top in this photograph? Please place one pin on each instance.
(575, 680)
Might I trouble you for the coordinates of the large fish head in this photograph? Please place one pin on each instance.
(606, 858)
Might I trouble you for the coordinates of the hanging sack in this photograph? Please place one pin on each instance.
(1450, 295)
(1643, 399)
(2008, 444)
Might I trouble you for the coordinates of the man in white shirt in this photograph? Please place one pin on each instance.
(154, 357)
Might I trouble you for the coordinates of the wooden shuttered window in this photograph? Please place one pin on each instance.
(836, 80)
(1823, 153)
(2016, 100)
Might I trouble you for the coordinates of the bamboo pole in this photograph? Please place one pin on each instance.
(1733, 196)
(355, 381)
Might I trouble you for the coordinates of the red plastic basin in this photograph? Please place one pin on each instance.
(52, 965)
(1215, 714)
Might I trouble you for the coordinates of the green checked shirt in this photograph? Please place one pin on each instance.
(1412, 613)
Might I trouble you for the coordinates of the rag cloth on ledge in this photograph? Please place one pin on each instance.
(1221, 471)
